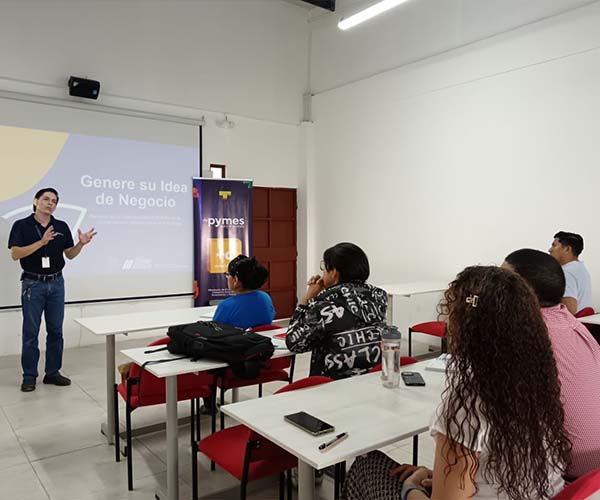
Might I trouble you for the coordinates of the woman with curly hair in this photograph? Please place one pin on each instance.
(499, 429)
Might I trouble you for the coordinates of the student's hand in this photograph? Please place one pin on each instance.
(421, 477)
(315, 286)
(49, 235)
(403, 471)
(314, 279)
(85, 238)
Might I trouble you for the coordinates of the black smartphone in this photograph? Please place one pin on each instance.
(308, 423)
(412, 378)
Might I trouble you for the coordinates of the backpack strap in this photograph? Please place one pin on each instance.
(150, 351)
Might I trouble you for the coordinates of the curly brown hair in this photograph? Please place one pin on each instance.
(502, 373)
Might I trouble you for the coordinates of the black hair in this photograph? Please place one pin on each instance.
(542, 272)
(251, 273)
(45, 190)
(349, 260)
(573, 240)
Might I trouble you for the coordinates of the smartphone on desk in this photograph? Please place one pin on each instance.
(308, 423)
(412, 378)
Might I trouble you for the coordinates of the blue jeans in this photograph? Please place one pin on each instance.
(39, 297)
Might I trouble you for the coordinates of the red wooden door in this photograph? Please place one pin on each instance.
(274, 228)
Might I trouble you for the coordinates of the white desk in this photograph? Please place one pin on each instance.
(170, 371)
(594, 319)
(408, 290)
(123, 324)
(372, 415)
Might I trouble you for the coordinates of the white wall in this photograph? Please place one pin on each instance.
(411, 32)
(463, 157)
(245, 57)
(189, 59)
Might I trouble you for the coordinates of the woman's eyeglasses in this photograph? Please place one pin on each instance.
(227, 274)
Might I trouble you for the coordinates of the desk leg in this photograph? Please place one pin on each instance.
(108, 427)
(172, 442)
(235, 395)
(306, 481)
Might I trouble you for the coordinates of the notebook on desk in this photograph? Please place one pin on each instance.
(279, 343)
(438, 364)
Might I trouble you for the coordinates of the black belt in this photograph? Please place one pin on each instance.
(40, 277)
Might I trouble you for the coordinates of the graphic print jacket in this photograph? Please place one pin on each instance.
(342, 327)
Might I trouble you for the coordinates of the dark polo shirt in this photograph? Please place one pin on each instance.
(27, 231)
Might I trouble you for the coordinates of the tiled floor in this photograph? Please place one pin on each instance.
(51, 446)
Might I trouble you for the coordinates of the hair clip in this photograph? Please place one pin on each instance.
(473, 300)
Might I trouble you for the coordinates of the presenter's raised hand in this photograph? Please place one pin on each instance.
(49, 235)
(85, 238)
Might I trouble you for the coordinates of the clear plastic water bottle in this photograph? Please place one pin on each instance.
(390, 357)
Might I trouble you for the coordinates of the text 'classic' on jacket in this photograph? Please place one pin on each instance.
(342, 327)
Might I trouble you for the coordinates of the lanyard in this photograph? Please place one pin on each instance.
(37, 228)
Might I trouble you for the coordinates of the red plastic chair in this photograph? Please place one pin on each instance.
(274, 371)
(586, 311)
(585, 488)
(593, 328)
(144, 389)
(435, 328)
(247, 455)
(404, 360)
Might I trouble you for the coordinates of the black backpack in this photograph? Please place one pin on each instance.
(244, 351)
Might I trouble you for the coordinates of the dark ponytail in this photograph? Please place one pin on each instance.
(251, 273)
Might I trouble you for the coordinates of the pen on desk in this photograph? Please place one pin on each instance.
(330, 444)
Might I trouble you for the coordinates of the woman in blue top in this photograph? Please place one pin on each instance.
(249, 307)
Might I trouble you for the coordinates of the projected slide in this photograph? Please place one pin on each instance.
(137, 195)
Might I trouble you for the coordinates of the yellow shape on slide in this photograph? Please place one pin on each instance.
(26, 155)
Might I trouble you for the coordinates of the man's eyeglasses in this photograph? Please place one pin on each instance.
(227, 274)
(322, 266)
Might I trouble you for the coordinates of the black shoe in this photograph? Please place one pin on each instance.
(57, 379)
(28, 385)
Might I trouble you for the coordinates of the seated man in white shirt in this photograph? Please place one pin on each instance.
(566, 249)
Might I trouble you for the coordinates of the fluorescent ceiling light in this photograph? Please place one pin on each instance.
(368, 13)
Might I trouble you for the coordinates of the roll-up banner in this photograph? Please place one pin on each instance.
(222, 231)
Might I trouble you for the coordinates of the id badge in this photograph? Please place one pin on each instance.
(46, 262)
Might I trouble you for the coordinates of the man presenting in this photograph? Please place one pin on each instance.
(566, 249)
(39, 242)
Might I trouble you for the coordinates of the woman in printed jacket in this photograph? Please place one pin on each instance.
(340, 318)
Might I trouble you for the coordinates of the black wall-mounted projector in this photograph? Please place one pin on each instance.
(82, 87)
(324, 4)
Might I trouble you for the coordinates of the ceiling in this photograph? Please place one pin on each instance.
(310, 4)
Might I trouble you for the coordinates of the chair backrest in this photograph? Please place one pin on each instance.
(265, 328)
(585, 488)
(586, 311)
(267, 449)
(304, 382)
(404, 360)
(151, 390)
(277, 363)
